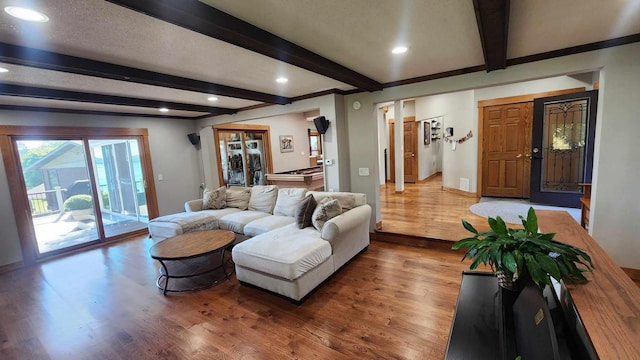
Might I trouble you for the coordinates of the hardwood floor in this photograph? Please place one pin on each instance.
(392, 301)
(425, 210)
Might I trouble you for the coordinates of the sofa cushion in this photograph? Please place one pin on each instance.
(347, 200)
(263, 198)
(288, 200)
(238, 197)
(214, 199)
(327, 209)
(268, 223)
(304, 211)
(236, 222)
(287, 252)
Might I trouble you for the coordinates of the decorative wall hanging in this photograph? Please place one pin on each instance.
(426, 127)
(286, 143)
(461, 140)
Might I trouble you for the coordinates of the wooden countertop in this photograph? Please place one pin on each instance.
(609, 303)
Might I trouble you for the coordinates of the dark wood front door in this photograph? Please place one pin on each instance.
(562, 147)
(506, 161)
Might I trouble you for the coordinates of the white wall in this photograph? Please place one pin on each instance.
(172, 155)
(456, 110)
(289, 124)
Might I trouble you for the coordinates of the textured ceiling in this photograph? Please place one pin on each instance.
(357, 34)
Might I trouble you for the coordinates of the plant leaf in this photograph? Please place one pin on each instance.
(498, 226)
(548, 264)
(469, 227)
(532, 221)
(509, 262)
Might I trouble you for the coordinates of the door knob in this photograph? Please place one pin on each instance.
(413, 155)
(519, 156)
(536, 150)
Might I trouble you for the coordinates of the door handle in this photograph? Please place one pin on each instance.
(413, 155)
(519, 156)
(528, 155)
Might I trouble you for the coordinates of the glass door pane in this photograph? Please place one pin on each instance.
(56, 176)
(232, 156)
(254, 143)
(563, 145)
(120, 183)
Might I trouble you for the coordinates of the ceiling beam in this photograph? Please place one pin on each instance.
(492, 17)
(95, 112)
(20, 55)
(67, 95)
(207, 20)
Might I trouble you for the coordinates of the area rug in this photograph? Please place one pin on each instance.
(509, 210)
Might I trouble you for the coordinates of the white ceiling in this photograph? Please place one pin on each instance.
(358, 34)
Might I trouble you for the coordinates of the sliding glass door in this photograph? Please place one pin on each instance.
(56, 176)
(120, 184)
(72, 188)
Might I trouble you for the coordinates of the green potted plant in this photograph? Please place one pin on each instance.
(523, 253)
(80, 206)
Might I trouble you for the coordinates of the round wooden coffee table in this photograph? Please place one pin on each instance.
(190, 259)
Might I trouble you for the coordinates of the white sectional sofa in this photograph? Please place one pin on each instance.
(272, 251)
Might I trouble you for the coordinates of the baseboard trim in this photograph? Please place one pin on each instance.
(634, 274)
(12, 266)
(460, 192)
(435, 174)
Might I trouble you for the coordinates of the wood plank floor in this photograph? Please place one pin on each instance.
(392, 301)
(425, 210)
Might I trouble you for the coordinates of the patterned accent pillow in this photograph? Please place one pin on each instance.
(238, 197)
(326, 210)
(214, 199)
(304, 211)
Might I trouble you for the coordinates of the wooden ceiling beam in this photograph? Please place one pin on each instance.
(67, 95)
(492, 17)
(204, 19)
(25, 56)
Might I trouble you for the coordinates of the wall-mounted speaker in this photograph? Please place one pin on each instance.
(194, 138)
(322, 124)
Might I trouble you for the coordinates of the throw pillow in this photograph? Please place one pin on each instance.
(288, 201)
(263, 198)
(326, 210)
(214, 199)
(304, 211)
(238, 197)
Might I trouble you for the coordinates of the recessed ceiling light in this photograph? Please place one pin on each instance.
(399, 50)
(212, 98)
(26, 14)
(3, 70)
(282, 80)
(163, 110)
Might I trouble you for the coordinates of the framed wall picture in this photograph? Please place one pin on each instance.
(286, 143)
(426, 126)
